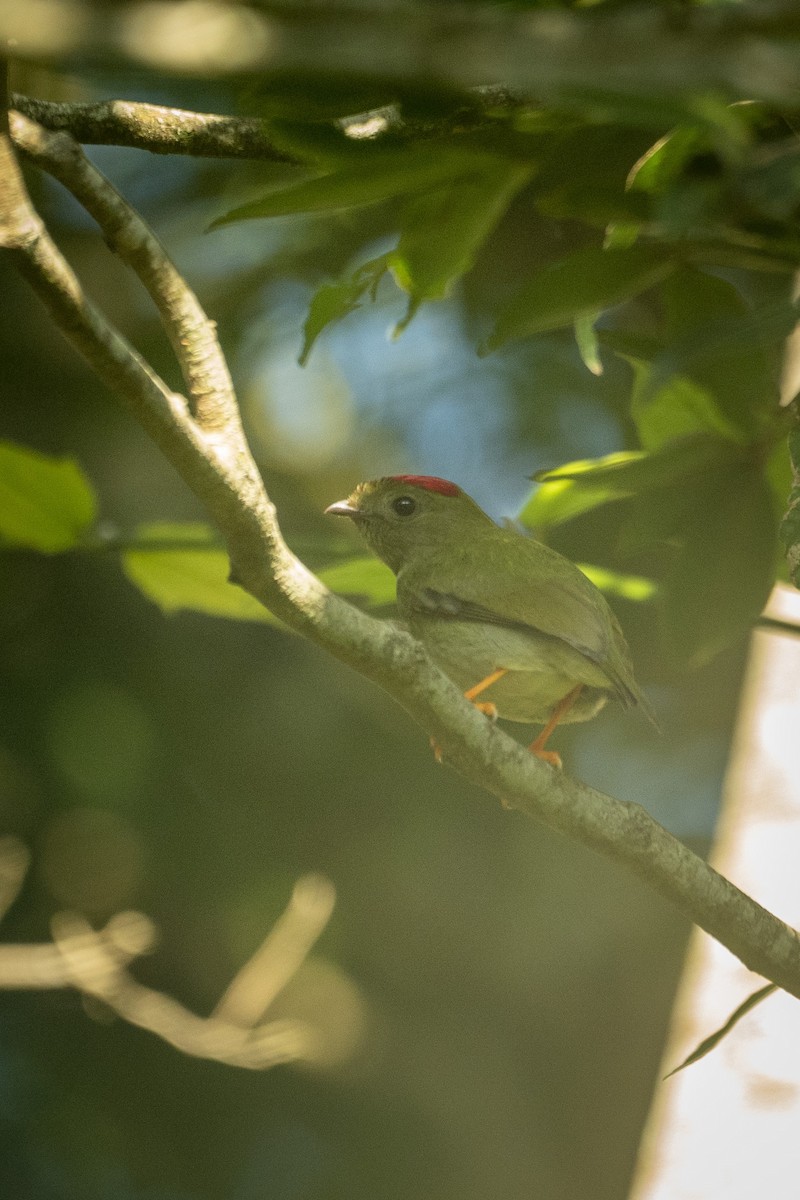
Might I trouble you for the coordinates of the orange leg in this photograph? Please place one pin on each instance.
(484, 706)
(537, 747)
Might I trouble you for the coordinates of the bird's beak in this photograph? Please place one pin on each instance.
(342, 508)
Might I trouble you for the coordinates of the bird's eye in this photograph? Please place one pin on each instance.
(404, 506)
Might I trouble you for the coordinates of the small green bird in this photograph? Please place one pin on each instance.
(507, 618)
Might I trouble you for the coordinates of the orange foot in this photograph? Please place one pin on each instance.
(485, 706)
(549, 756)
(537, 747)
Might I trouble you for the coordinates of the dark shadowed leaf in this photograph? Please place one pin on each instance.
(720, 579)
(442, 230)
(333, 301)
(676, 409)
(46, 503)
(716, 344)
(383, 177)
(585, 282)
(713, 1040)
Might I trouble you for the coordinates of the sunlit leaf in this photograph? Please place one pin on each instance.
(655, 478)
(333, 301)
(628, 471)
(46, 503)
(617, 583)
(554, 503)
(170, 571)
(583, 283)
(181, 567)
(663, 162)
(587, 342)
(364, 578)
(619, 460)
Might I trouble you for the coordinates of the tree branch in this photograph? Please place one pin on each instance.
(156, 128)
(222, 474)
(192, 335)
(95, 962)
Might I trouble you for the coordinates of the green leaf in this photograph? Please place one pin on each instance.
(365, 578)
(619, 459)
(773, 188)
(716, 340)
(182, 567)
(588, 343)
(721, 577)
(443, 230)
(333, 301)
(628, 471)
(187, 578)
(382, 177)
(46, 503)
(616, 583)
(582, 173)
(663, 162)
(554, 503)
(578, 487)
(674, 410)
(585, 282)
(713, 1040)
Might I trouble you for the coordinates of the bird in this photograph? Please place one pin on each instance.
(519, 628)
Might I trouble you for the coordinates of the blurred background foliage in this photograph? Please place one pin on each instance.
(596, 289)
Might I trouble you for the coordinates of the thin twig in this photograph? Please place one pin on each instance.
(95, 967)
(251, 992)
(95, 962)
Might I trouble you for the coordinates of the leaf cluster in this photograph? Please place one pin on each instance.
(679, 222)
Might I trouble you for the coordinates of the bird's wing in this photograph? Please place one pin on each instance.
(521, 584)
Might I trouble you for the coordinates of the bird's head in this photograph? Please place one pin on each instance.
(403, 515)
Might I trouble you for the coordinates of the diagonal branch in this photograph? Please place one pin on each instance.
(222, 474)
(193, 336)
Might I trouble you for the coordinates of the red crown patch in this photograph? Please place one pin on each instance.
(431, 483)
